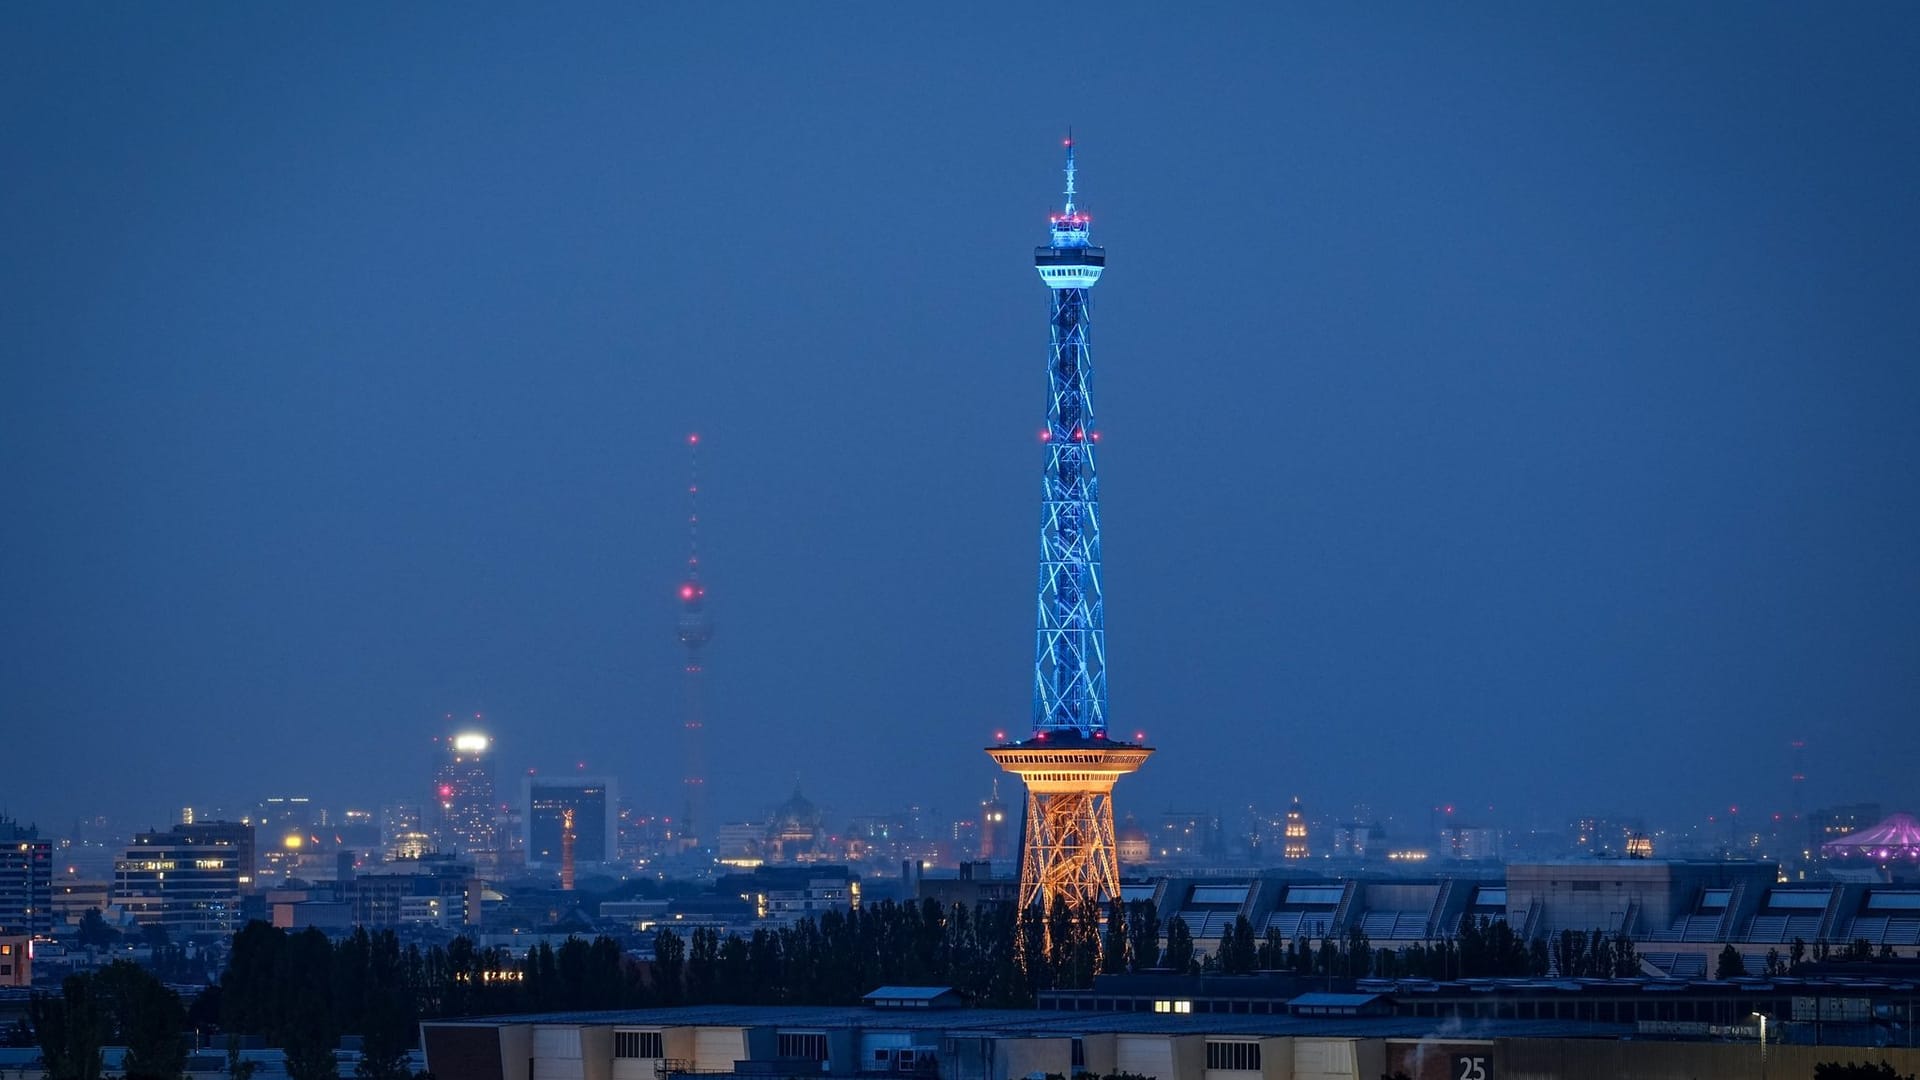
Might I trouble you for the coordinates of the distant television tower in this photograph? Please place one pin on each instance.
(1068, 763)
(696, 629)
(566, 849)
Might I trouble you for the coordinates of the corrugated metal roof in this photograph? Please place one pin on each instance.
(909, 992)
(1336, 1000)
(985, 1023)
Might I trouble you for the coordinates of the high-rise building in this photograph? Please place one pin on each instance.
(1068, 763)
(695, 630)
(463, 792)
(995, 825)
(1832, 822)
(1470, 842)
(237, 835)
(26, 880)
(187, 879)
(1296, 838)
(403, 832)
(593, 803)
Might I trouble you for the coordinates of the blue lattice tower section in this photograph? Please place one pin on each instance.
(1068, 763)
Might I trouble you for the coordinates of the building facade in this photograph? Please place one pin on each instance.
(545, 802)
(463, 795)
(26, 880)
(187, 880)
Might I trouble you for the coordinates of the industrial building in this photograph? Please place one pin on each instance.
(1680, 913)
(1326, 1037)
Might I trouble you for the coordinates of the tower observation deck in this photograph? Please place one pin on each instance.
(1068, 762)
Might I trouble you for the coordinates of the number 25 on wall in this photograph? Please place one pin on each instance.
(1471, 1068)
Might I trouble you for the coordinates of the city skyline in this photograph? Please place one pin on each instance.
(1524, 422)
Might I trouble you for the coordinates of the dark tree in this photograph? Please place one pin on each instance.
(1179, 954)
(94, 933)
(1626, 958)
(71, 1029)
(1113, 947)
(669, 967)
(306, 1005)
(1729, 966)
(1143, 934)
(1357, 957)
(1228, 958)
(239, 1068)
(146, 1017)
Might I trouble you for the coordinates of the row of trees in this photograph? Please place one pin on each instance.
(1481, 948)
(303, 991)
(1730, 964)
(122, 1004)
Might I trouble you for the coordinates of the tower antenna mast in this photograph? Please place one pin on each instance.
(695, 630)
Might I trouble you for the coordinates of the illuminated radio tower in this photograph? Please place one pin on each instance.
(1068, 764)
(695, 631)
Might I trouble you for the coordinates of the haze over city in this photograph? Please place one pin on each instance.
(1511, 408)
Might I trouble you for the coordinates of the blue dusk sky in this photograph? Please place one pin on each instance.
(1502, 404)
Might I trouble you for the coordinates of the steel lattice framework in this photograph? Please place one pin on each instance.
(1068, 764)
(1070, 653)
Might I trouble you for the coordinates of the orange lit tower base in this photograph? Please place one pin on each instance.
(1069, 852)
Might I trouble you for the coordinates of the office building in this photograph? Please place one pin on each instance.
(594, 803)
(463, 795)
(26, 880)
(187, 880)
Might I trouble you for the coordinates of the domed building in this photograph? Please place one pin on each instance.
(1133, 844)
(793, 832)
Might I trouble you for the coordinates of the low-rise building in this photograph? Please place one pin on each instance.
(1329, 1036)
(16, 961)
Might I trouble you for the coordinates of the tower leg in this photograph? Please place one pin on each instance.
(1070, 855)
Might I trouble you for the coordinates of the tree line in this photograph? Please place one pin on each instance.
(303, 991)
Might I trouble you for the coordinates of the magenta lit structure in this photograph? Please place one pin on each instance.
(1897, 839)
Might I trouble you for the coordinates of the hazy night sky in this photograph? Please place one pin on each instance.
(1510, 406)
